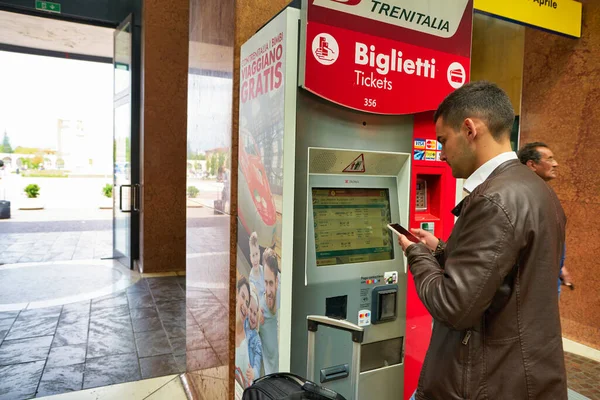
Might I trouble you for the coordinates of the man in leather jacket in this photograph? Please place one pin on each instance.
(491, 288)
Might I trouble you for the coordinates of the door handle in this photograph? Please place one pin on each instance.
(136, 197)
(121, 198)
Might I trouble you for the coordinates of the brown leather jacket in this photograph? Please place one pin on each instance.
(494, 300)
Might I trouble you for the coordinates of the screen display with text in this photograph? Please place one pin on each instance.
(350, 225)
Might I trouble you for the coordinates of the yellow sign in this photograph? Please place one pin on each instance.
(562, 16)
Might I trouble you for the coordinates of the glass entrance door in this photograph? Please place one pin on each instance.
(126, 192)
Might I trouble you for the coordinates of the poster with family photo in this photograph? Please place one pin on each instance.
(260, 184)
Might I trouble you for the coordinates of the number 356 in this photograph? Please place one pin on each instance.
(370, 102)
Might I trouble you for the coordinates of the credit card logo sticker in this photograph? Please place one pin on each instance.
(419, 144)
(364, 317)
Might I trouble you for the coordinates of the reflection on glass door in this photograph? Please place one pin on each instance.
(125, 190)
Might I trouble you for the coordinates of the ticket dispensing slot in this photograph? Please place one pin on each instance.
(333, 373)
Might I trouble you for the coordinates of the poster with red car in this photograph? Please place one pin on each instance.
(260, 188)
(392, 57)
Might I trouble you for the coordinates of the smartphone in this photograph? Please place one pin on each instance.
(400, 230)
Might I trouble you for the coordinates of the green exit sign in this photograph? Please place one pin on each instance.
(47, 6)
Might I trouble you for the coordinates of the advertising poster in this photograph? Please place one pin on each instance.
(260, 186)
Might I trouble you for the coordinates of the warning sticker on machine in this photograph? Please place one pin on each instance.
(356, 166)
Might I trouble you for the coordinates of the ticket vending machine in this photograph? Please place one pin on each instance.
(352, 179)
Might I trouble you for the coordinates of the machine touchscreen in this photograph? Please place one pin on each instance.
(350, 225)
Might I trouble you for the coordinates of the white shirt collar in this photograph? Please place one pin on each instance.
(483, 172)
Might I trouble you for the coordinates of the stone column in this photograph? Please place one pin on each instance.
(165, 36)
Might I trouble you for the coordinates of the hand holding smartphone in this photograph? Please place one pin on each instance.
(567, 284)
(400, 230)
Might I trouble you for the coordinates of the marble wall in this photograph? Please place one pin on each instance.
(163, 135)
(560, 107)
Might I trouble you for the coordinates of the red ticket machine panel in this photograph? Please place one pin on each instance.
(433, 194)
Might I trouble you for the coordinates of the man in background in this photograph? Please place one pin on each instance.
(538, 157)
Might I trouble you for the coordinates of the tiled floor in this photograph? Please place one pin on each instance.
(166, 387)
(583, 375)
(130, 335)
(54, 283)
(55, 246)
(22, 242)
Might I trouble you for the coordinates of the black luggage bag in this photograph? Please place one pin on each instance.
(283, 386)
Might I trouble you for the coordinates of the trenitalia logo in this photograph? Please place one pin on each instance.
(435, 17)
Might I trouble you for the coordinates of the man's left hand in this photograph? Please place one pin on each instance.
(404, 242)
(565, 277)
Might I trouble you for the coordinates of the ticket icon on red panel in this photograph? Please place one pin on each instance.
(431, 144)
(430, 155)
(457, 75)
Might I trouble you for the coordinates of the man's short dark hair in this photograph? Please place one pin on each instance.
(270, 259)
(481, 99)
(530, 152)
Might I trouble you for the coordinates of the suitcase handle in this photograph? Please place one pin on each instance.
(357, 333)
(315, 320)
(285, 375)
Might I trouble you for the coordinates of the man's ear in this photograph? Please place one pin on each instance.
(531, 164)
(470, 128)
